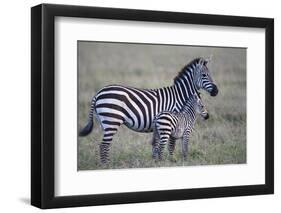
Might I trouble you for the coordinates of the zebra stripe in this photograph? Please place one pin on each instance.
(170, 126)
(136, 108)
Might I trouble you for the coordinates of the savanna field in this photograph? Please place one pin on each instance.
(219, 140)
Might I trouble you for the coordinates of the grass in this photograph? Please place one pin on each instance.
(219, 140)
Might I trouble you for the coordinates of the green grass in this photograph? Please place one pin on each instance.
(219, 140)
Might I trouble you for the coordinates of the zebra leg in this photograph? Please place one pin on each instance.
(185, 140)
(171, 148)
(104, 150)
(155, 145)
(164, 138)
(105, 144)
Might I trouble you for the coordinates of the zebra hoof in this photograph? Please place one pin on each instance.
(104, 166)
(161, 159)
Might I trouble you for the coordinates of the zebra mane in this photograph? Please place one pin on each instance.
(185, 69)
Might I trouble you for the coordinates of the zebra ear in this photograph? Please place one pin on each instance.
(207, 60)
(201, 61)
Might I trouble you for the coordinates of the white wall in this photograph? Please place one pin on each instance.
(15, 105)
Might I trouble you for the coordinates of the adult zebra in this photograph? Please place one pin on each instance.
(115, 105)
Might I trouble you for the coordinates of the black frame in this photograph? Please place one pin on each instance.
(43, 102)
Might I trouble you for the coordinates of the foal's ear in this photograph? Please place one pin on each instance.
(201, 61)
(208, 60)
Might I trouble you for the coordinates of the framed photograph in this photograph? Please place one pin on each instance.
(139, 106)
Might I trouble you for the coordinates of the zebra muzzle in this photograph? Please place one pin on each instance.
(206, 117)
(214, 91)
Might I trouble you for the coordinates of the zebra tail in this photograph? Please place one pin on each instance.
(89, 127)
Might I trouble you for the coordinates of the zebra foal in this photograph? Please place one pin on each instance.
(170, 126)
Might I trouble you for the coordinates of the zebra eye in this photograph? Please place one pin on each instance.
(204, 75)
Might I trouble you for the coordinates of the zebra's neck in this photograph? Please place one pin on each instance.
(174, 97)
(185, 87)
(189, 111)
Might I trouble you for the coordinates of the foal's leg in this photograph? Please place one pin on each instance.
(164, 138)
(155, 145)
(171, 149)
(185, 141)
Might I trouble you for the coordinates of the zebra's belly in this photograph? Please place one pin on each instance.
(144, 130)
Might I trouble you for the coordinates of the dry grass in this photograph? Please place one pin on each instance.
(219, 140)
